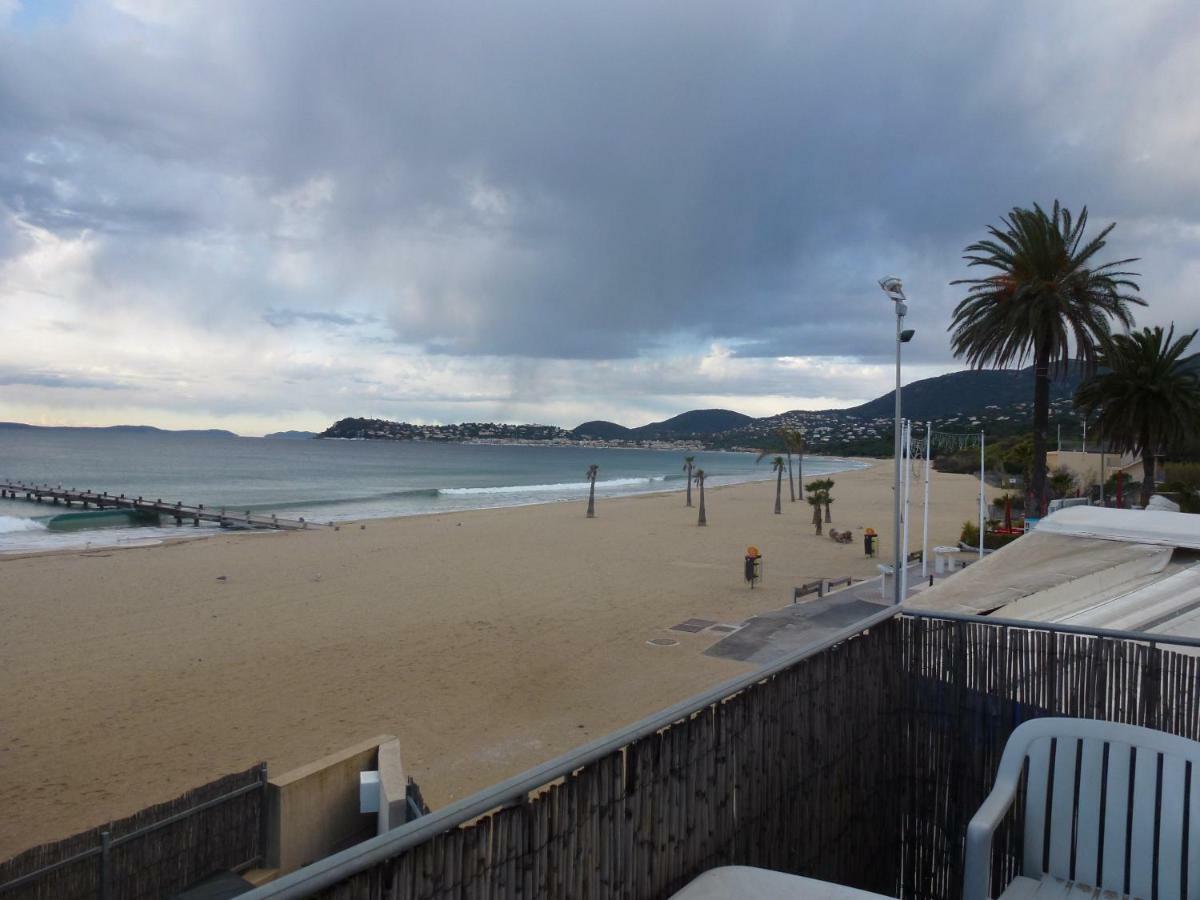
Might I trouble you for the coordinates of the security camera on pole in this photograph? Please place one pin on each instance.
(895, 291)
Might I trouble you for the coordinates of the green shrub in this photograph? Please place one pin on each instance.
(991, 540)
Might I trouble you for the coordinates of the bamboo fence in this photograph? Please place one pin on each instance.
(154, 853)
(860, 765)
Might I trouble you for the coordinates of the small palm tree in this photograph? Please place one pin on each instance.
(1146, 396)
(1047, 293)
(816, 500)
(592, 472)
(698, 477)
(1062, 482)
(689, 463)
(778, 465)
(823, 486)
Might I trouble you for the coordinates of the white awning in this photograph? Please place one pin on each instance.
(1134, 526)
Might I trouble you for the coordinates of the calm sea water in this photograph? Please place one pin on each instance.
(325, 480)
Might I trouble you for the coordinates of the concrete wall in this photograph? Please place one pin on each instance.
(393, 788)
(1086, 466)
(312, 811)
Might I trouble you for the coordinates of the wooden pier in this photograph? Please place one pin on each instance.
(180, 512)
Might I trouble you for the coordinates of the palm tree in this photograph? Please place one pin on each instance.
(778, 465)
(823, 486)
(1047, 293)
(698, 477)
(789, 441)
(793, 442)
(592, 472)
(688, 463)
(1146, 396)
(1062, 481)
(815, 500)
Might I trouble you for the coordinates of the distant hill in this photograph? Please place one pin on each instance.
(998, 402)
(694, 422)
(120, 429)
(599, 430)
(970, 392)
(291, 435)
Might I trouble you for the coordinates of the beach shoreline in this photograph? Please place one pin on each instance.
(488, 640)
(121, 538)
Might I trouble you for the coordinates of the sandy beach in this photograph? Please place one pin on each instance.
(488, 641)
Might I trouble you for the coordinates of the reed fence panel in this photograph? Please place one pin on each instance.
(149, 857)
(860, 764)
(971, 684)
(777, 775)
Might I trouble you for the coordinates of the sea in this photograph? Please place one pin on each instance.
(322, 480)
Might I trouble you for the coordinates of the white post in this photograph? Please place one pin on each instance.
(1085, 435)
(981, 499)
(925, 516)
(907, 486)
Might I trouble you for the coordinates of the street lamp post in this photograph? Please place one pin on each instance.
(895, 292)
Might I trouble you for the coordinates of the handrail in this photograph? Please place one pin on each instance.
(1144, 637)
(329, 871)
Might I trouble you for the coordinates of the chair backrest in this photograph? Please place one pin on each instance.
(1111, 806)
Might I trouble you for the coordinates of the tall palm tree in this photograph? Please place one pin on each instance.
(592, 472)
(1146, 396)
(698, 477)
(778, 465)
(689, 463)
(1047, 293)
(793, 442)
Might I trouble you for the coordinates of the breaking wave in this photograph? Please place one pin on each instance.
(562, 487)
(14, 524)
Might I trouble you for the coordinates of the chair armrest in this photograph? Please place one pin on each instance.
(977, 866)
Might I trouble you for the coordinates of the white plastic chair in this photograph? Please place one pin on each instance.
(1108, 807)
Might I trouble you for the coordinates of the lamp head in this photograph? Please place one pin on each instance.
(907, 335)
(893, 288)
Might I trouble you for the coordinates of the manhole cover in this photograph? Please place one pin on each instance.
(725, 629)
(662, 642)
(692, 626)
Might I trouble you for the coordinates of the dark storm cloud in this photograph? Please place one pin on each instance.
(591, 180)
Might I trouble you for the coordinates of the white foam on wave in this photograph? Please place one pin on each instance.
(562, 487)
(14, 524)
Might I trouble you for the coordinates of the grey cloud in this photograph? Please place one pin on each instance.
(13, 378)
(282, 318)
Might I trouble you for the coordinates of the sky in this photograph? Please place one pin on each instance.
(270, 215)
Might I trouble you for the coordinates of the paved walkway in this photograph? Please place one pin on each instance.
(767, 637)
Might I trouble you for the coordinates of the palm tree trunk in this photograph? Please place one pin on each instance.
(817, 517)
(703, 520)
(689, 486)
(1041, 422)
(1147, 470)
(800, 472)
(828, 514)
(791, 483)
(591, 513)
(779, 492)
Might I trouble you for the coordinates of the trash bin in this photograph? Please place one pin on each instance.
(753, 566)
